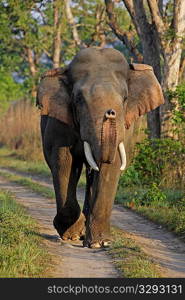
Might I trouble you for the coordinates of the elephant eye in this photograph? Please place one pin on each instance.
(124, 96)
(78, 99)
(125, 92)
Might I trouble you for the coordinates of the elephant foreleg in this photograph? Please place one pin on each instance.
(103, 193)
(66, 170)
(88, 191)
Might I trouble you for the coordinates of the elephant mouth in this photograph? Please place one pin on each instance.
(91, 161)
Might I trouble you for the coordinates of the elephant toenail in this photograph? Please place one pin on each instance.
(106, 244)
(85, 244)
(95, 245)
(75, 237)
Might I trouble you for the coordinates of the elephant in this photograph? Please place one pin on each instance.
(87, 109)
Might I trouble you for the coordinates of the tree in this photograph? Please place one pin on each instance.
(10, 90)
(160, 27)
(36, 35)
(31, 35)
(20, 37)
(73, 25)
(86, 20)
(57, 10)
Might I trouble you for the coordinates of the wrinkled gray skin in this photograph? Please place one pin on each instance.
(96, 82)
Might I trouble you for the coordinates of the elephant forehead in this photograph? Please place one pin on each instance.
(98, 62)
(95, 89)
(89, 54)
(99, 91)
(102, 91)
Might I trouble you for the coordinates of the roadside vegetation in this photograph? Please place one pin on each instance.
(11, 160)
(29, 183)
(154, 183)
(21, 250)
(163, 206)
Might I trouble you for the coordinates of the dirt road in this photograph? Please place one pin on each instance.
(164, 247)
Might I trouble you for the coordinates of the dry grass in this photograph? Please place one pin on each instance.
(20, 130)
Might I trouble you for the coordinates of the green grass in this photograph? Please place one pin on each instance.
(172, 218)
(32, 185)
(130, 259)
(166, 207)
(9, 159)
(21, 251)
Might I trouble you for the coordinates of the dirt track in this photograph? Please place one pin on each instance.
(72, 260)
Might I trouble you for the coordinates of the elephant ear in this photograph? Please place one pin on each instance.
(53, 96)
(144, 92)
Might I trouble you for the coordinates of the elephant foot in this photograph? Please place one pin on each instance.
(95, 238)
(73, 232)
(97, 244)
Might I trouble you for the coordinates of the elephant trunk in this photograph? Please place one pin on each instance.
(109, 144)
(109, 137)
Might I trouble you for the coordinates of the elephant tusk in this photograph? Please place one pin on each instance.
(89, 157)
(123, 156)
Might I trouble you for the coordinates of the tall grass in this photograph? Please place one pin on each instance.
(10, 159)
(20, 130)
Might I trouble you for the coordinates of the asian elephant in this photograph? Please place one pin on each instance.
(86, 111)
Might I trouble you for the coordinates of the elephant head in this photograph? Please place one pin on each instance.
(100, 95)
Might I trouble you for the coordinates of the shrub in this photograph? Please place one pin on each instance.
(129, 178)
(153, 196)
(160, 161)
